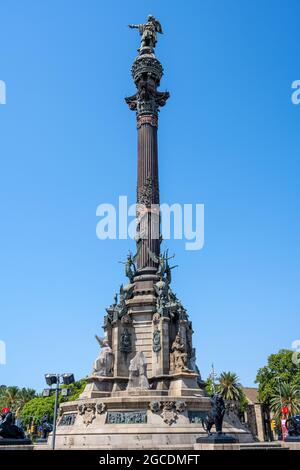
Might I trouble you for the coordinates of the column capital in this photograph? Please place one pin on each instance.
(151, 119)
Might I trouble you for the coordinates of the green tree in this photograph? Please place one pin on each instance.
(75, 390)
(15, 398)
(229, 386)
(285, 395)
(24, 396)
(279, 365)
(36, 408)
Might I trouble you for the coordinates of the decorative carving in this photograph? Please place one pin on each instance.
(162, 302)
(146, 102)
(156, 346)
(171, 411)
(147, 119)
(121, 308)
(155, 406)
(164, 269)
(117, 310)
(67, 419)
(125, 343)
(138, 373)
(149, 67)
(100, 408)
(147, 72)
(162, 307)
(156, 318)
(126, 319)
(169, 414)
(88, 412)
(182, 314)
(130, 268)
(179, 355)
(126, 417)
(180, 406)
(147, 194)
(104, 364)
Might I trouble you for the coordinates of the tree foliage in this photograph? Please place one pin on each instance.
(14, 397)
(285, 395)
(279, 365)
(76, 389)
(25, 403)
(229, 386)
(35, 409)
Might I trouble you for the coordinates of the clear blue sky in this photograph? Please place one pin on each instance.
(228, 138)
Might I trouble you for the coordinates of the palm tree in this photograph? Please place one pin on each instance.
(229, 386)
(286, 395)
(15, 398)
(9, 397)
(25, 395)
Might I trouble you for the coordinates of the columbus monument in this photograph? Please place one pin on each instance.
(145, 389)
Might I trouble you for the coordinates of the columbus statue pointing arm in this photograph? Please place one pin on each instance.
(148, 32)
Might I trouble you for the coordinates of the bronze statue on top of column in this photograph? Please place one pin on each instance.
(148, 32)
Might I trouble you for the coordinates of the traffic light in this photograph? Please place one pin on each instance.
(273, 424)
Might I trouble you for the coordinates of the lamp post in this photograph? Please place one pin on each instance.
(213, 376)
(57, 379)
(279, 388)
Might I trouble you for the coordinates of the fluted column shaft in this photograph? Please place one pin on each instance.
(148, 244)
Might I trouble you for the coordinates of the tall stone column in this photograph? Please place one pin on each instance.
(147, 72)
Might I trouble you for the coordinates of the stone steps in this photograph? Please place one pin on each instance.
(261, 446)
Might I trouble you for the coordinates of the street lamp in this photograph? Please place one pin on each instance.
(57, 379)
(279, 388)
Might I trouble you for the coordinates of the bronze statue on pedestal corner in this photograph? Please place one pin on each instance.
(216, 415)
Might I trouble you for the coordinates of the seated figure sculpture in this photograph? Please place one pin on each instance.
(104, 364)
(179, 355)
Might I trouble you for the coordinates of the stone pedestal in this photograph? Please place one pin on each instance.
(15, 444)
(217, 438)
(137, 420)
(293, 439)
(214, 446)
